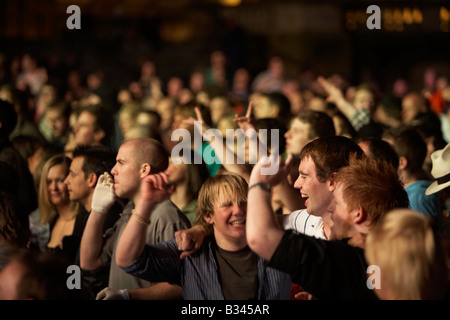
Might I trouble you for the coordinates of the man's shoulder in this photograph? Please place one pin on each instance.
(166, 207)
(168, 211)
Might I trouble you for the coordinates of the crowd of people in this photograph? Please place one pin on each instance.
(89, 177)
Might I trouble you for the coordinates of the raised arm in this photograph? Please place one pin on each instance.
(221, 149)
(92, 240)
(132, 242)
(336, 96)
(245, 122)
(263, 231)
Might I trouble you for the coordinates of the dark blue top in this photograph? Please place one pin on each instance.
(198, 273)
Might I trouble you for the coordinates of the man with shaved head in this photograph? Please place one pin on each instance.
(136, 159)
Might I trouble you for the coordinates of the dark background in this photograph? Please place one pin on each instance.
(324, 37)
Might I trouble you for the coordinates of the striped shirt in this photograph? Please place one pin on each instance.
(198, 273)
(302, 222)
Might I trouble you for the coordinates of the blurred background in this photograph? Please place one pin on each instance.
(316, 37)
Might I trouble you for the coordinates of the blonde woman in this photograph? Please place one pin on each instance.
(409, 257)
(55, 208)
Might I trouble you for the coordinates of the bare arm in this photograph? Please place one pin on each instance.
(335, 95)
(159, 291)
(226, 156)
(263, 231)
(92, 241)
(132, 241)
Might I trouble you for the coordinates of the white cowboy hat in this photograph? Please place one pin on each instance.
(440, 170)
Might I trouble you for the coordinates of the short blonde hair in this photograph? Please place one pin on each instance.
(231, 184)
(411, 261)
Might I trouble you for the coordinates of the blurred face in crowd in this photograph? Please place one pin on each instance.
(411, 107)
(84, 130)
(58, 123)
(126, 121)
(76, 181)
(262, 108)
(126, 172)
(364, 99)
(297, 137)
(218, 108)
(57, 189)
(276, 67)
(317, 194)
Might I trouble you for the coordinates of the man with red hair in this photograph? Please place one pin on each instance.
(362, 193)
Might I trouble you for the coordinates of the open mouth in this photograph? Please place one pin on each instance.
(305, 197)
(238, 222)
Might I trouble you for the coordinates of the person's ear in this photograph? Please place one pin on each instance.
(207, 217)
(361, 220)
(92, 180)
(145, 170)
(330, 182)
(359, 215)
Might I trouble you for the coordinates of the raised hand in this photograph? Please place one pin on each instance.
(334, 93)
(103, 197)
(155, 188)
(199, 123)
(245, 122)
(277, 168)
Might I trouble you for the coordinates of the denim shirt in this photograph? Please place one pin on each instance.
(198, 273)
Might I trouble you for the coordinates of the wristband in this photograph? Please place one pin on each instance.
(140, 219)
(264, 186)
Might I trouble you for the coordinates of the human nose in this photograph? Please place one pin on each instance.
(288, 133)
(239, 208)
(298, 183)
(114, 171)
(52, 185)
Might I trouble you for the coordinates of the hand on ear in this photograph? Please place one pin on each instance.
(145, 170)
